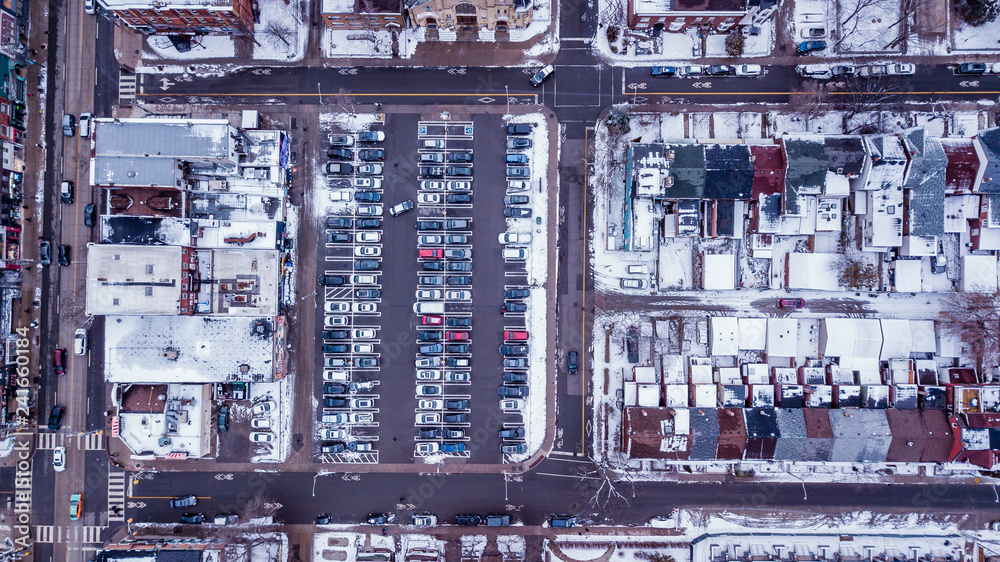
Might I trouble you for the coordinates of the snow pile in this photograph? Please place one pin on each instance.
(268, 546)
(350, 122)
(420, 545)
(473, 546)
(437, 458)
(202, 47)
(282, 31)
(537, 274)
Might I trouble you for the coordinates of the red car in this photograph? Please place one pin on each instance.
(791, 303)
(431, 320)
(511, 335)
(57, 361)
(458, 336)
(431, 253)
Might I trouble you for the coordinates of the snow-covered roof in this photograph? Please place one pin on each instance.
(782, 337)
(239, 282)
(753, 333)
(957, 210)
(188, 349)
(817, 271)
(182, 427)
(719, 272)
(724, 335)
(979, 273)
(135, 171)
(909, 276)
(123, 279)
(851, 337)
(896, 342)
(922, 336)
(146, 231)
(925, 177)
(188, 139)
(338, 6)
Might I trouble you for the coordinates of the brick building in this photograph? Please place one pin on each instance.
(184, 17)
(363, 14)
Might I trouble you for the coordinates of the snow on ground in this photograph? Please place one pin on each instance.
(511, 546)
(357, 43)
(672, 126)
(202, 47)
(810, 14)
(542, 23)
(350, 122)
(270, 546)
(965, 124)
(473, 546)
(282, 31)
(701, 125)
(281, 419)
(417, 545)
(336, 546)
(537, 267)
(867, 26)
(983, 38)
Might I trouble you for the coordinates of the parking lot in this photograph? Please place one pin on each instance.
(412, 318)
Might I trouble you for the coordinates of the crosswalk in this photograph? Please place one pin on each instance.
(49, 441)
(92, 442)
(85, 534)
(126, 88)
(85, 442)
(116, 496)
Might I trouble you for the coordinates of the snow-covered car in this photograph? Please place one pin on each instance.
(260, 423)
(515, 238)
(818, 71)
(693, 70)
(749, 70)
(264, 407)
(900, 69)
(517, 185)
(424, 519)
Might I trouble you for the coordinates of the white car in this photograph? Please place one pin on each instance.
(374, 183)
(749, 70)
(458, 295)
(459, 185)
(818, 71)
(459, 362)
(429, 198)
(264, 407)
(424, 519)
(261, 436)
(90, 7)
(426, 448)
(662, 522)
(363, 333)
(900, 69)
(365, 279)
(431, 185)
(400, 208)
(429, 294)
(365, 307)
(334, 321)
(430, 404)
(360, 417)
(364, 348)
(80, 341)
(369, 236)
(85, 120)
(341, 195)
(515, 238)
(423, 362)
(260, 423)
(995, 68)
(369, 210)
(335, 376)
(337, 306)
(362, 403)
(512, 404)
(430, 240)
(693, 70)
(457, 376)
(517, 185)
(517, 254)
(335, 434)
(428, 375)
(367, 251)
(59, 459)
(427, 419)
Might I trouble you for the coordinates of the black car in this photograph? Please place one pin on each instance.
(335, 402)
(340, 168)
(371, 154)
(340, 153)
(517, 212)
(339, 222)
(430, 335)
(518, 144)
(512, 307)
(461, 157)
(369, 223)
(516, 200)
(223, 419)
(183, 501)
(338, 237)
(366, 265)
(458, 198)
(456, 418)
(972, 68)
(574, 362)
(431, 280)
(431, 171)
(513, 391)
(193, 518)
(466, 520)
(429, 225)
(336, 348)
(454, 362)
(336, 334)
(508, 349)
(459, 280)
(429, 434)
(458, 348)
(453, 433)
(459, 266)
(63, 254)
(516, 293)
(88, 215)
(459, 171)
(369, 294)
(515, 377)
(45, 252)
(371, 136)
(331, 388)
(377, 519)
(719, 70)
(56, 418)
(512, 433)
(456, 404)
(332, 280)
(367, 196)
(453, 322)
(433, 266)
(519, 129)
(324, 519)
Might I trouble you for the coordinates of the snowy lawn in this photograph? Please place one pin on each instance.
(983, 38)
(868, 26)
(204, 47)
(282, 31)
(357, 43)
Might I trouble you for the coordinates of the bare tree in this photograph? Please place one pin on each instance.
(256, 529)
(973, 318)
(810, 101)
(613, 14)
(279, 34)
(598, 484)
(850, 25)
(344, 100)
(861, 95)
(855, 273)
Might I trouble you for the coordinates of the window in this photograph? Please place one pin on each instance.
(149, 269)
(118, 257)
(114, 302)
(149, 291)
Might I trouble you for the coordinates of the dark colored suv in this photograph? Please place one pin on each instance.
(56, 418)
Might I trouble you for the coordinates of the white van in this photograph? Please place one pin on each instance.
(515, 254)
(428, 308)
(335, 376)
(638, 270)
(85, 119)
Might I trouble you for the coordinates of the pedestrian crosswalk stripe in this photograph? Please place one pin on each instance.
(48, 534)
(84, 534)
(116, 496)
(92, 442)
(48, 441)
(126, 88)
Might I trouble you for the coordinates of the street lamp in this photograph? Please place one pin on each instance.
(320, 95)
(507, 91)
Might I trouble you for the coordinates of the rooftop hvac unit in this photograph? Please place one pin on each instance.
(218, 185)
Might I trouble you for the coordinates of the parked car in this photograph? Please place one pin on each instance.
(515, 335)
(367, 196)
(542, 74)
(430, 225)
(516, 200)
(63, 254)
(573, 362)
(332, 447)
(518, 144)
(341, 140)
(377, 519)
(453, 447)
(369, 223)
(467, 520)
(806, 47)
(223, 418)
(458, 171)
(972, 68)
(371, 136)
(517, 212)
(514, 448)
(790, 303)
(371, 154)
(59, 361)
(664, 71)
(261, 436)
(263, 407)
(513, 391)
(749, 70)
(719, 70)
(193, 518)
(455, 198)
(562, 521)
(513, 308)
(431, 171)
(183, 501)
(518, 172)
(427, 449)
(45, 252)
(89, 215)
(339, 168)
(67, 124)
(340, 153)
(460, 157)
(430, 158)
(332, 280)
(512, 433)
(400, 208)
(66, 191)
(370, 169)
(519, 129)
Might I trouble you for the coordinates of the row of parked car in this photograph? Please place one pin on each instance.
(875, 70)
(696, 70)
